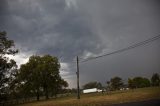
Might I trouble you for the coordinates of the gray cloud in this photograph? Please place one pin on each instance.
(53, 27)
(67, 28)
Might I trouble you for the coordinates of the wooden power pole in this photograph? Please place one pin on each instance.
(78, 92)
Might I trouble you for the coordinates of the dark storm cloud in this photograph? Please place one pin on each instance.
(49, 27)
(67, 28)
(120, 20)
(3, 11)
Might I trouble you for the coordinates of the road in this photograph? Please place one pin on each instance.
(142, 103)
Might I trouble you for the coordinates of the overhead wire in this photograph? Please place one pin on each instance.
(114, 52)
(124, 49)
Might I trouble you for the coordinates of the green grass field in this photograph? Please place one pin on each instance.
(98, 99)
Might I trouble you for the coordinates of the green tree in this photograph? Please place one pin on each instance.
(29, 77)
(138, 82)
(7, 66)
(116, 83)
(155, 79)
(146, 82)
(131, 83)
(93, 85)
(41, 74)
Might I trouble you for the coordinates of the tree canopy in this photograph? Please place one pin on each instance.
(155, 79)
(7, 66)
(116, 83)
(138, 82)
(41, 74)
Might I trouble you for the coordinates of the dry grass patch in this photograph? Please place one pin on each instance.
(103, 99)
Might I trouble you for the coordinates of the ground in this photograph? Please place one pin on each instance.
(153, 102)
(99, 99)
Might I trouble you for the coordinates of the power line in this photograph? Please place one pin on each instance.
(124, 49)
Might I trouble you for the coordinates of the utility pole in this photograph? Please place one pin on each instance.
(78, 93)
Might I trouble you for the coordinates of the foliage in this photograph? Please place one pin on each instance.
(93, 85)
(155, 79)
(72, 91)
(131, 83)
(7, 66)
(40, 75)
(138, 82)
(116, 83)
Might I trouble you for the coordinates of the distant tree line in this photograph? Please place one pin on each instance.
(38, 77)
(116, 83)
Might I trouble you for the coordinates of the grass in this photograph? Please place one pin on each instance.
(99, 99)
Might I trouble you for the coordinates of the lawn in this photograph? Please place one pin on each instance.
(99, 99)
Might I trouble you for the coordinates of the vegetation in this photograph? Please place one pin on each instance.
(155, 80)
(40, 76)
(7, 66)
(138, 82)
(116, 83)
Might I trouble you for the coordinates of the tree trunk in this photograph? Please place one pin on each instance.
(37, 95)
(55, 95)
(45, 88)
(46, 93)
(56, 92)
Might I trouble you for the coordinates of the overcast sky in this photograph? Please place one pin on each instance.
(86, 28)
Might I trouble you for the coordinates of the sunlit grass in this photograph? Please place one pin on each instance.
(98, 99)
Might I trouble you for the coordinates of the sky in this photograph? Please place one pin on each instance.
(86, 28)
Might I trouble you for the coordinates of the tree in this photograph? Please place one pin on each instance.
(29, 77)
(155, 79)
(6, 65)
(146, 82)
(41, 74)
(116, 83)
(93, 85)
(138, 82)
(131, 84)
